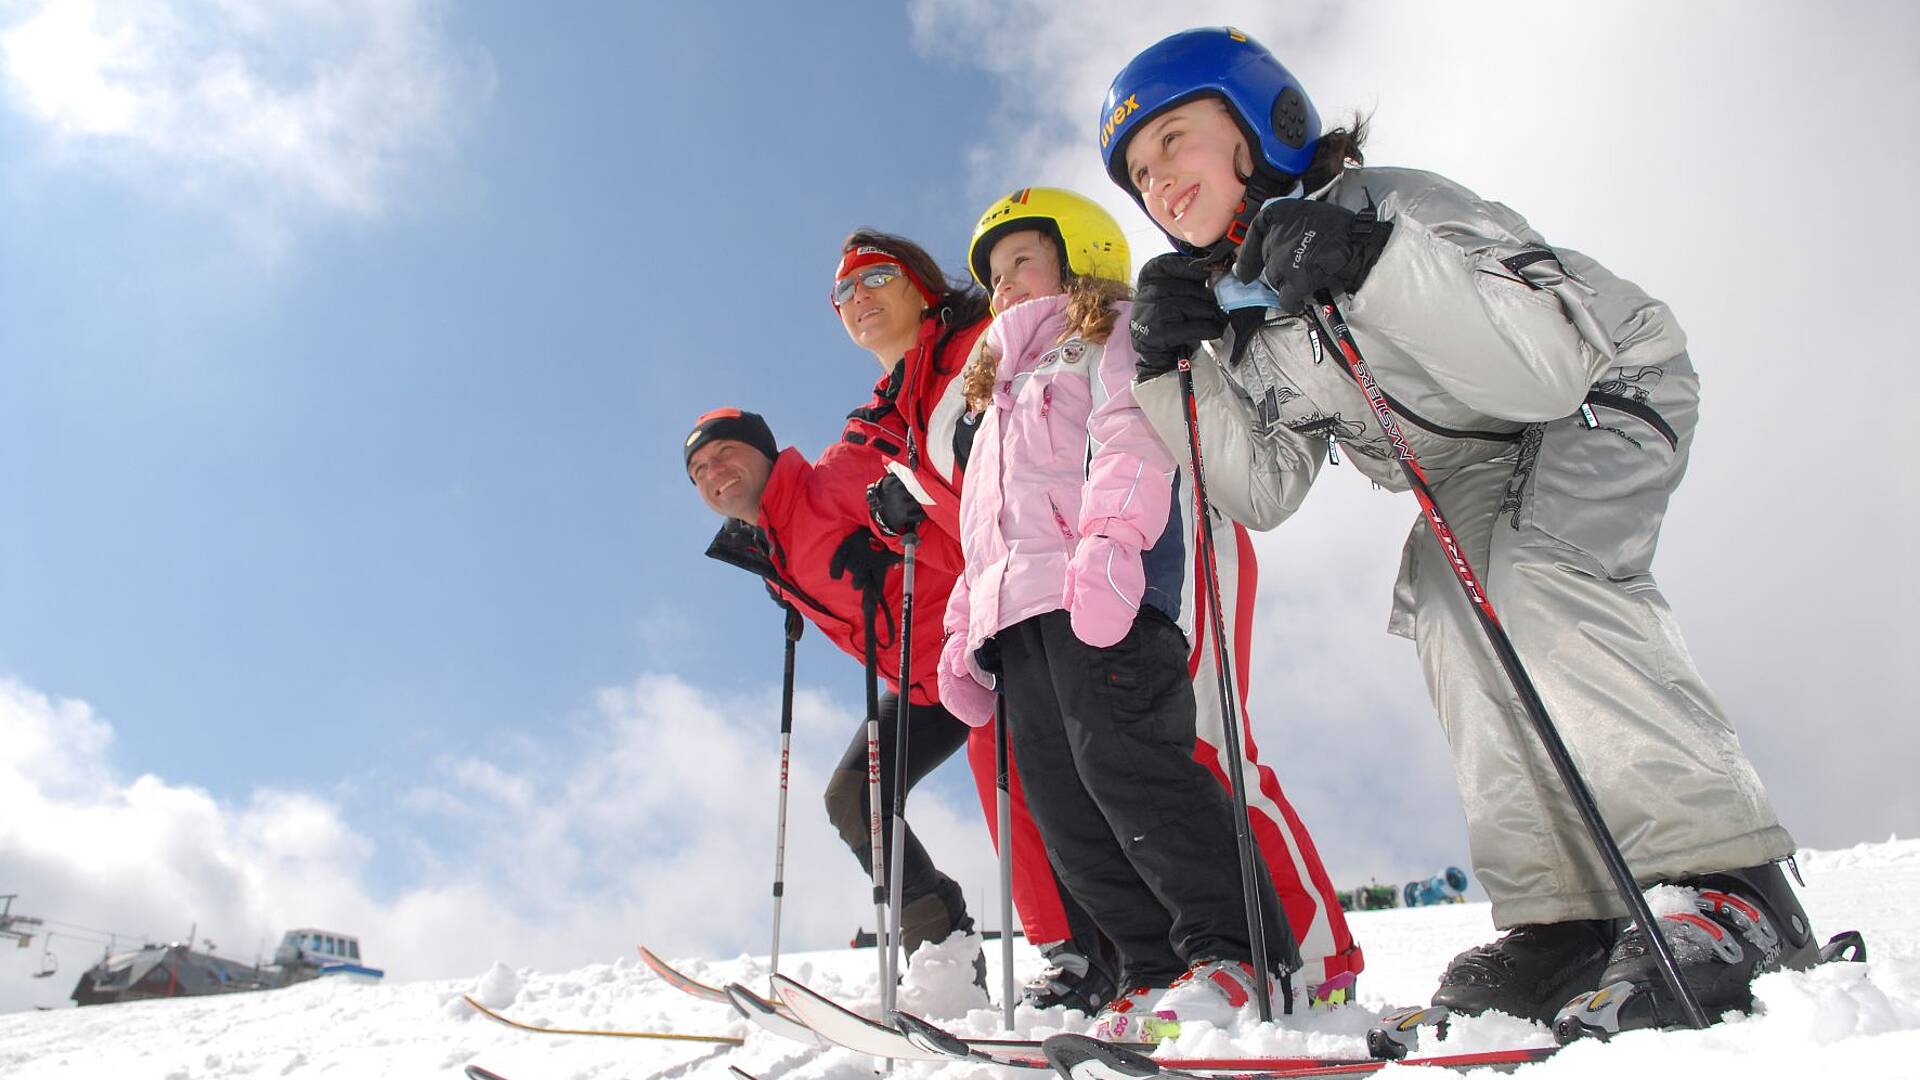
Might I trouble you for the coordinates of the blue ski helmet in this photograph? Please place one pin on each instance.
(1263, 97)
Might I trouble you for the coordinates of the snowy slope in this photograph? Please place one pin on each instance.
(1845, 1019)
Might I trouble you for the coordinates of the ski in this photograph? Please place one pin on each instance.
(937, 1040)
(740, 1073)
(686, 983)
(843, 1027)
(727, 1040)
(1078, 1057)
(764, 1015)
(475, 1072)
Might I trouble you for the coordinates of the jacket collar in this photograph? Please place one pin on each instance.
(782, 495)
(1024, 331)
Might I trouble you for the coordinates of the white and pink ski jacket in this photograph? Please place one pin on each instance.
(1068, 490)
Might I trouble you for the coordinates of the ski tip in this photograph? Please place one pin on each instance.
(475, 1072)
(787, 989)
(1082, 1057)
(745, 1001)
(739, 1073)
(931, 1037)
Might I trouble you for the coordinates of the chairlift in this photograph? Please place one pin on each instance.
(49, 963)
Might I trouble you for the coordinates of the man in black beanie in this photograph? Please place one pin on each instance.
(803, 528)
(729, 457)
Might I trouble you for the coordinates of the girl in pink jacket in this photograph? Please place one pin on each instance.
(1069, 605)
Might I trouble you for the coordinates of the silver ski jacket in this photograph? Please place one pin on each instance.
(1473, 326)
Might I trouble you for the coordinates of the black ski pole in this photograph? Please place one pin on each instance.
(1333, 329)
(1229, 715)
(877, 847)
(910, 540)
(793, 630)
(1004, 805)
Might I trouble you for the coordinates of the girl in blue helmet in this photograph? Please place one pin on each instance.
(1552, 406)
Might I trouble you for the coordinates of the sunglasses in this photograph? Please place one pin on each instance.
(877, 276)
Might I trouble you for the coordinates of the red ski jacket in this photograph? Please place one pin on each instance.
(806, 514)
(913, 418)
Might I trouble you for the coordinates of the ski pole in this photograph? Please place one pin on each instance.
(1005, 814)
(1229, 715)
(1332, 327)
(909, 540)
(793, 629)
(877, 847)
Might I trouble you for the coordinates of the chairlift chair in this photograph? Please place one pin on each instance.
(49, 963)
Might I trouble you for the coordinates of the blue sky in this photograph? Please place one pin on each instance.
(348, 572)
(414, 478)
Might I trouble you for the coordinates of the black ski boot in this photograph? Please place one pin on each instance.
(1071, 980)
(1744, 922)
(1529, 972)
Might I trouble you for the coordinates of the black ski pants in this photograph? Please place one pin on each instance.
(932, 905)
(1140, 833)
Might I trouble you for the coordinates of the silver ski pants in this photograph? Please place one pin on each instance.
(1563, 538)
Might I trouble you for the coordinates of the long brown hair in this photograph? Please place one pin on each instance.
(1090, 317)
(1337, 149)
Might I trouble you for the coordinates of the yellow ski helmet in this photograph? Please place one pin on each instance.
(1088, 236)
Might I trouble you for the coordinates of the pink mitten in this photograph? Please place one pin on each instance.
(1105, 582)
(960, 692)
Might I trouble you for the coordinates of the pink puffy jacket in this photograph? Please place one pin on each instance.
(1066, 487)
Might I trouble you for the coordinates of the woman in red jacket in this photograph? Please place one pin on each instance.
(921, 328)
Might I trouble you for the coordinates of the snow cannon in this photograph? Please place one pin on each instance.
(1444, 888)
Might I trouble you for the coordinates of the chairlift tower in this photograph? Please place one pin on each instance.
(9, 922)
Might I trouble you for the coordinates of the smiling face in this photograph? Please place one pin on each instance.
(1187, 164)
(731, 477)
(884, 321)
(1024, 265)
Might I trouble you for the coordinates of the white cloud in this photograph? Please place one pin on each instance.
(651, 821)
(263, 109)
(1745, 163)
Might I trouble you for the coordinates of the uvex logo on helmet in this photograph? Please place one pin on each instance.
(1118, 117)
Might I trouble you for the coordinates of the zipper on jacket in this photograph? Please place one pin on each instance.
(1441, 429)
(1639, 410)
(776, 554)
(1060, 519)
(1319, 353)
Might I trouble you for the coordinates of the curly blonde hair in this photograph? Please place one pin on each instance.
(1090, 317)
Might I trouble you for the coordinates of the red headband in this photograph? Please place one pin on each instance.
(870, 256)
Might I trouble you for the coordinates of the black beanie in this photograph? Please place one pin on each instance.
(746, 427)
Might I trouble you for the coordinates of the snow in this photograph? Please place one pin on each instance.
(1858, 1020)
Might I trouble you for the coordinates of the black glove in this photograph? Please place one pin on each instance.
(988, 657)
(893, 507)
(1174, 310)
(1301, 246)
(866, 559)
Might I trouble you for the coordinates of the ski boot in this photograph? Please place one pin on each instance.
(1213, 991)
(1529, 972)
(1743, 923)
(1069, 981)
(1126, 1017)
